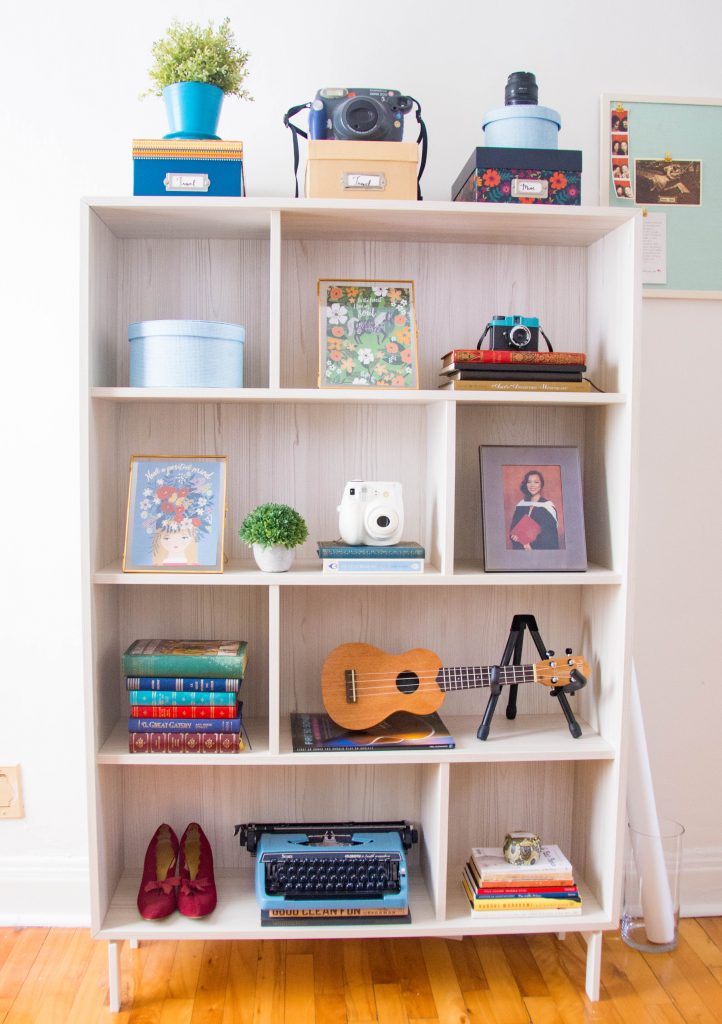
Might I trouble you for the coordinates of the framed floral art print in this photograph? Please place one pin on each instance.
(176, 512)
(367, 335)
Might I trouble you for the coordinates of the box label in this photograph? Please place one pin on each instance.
(187, 182)
(537, 188)
(354, 180)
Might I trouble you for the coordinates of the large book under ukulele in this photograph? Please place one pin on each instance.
(220, 659)
(400, 731)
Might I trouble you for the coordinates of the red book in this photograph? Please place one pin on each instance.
(526, 530)
(184, 743)
(487, 355)
(183, 711)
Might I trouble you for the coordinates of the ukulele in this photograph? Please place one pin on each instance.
(361, 685)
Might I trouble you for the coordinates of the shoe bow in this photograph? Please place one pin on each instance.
(165, 886)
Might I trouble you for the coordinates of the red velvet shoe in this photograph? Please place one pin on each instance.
(157, 893)
(197, 892)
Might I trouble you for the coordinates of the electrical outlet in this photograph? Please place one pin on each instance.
(11, 793)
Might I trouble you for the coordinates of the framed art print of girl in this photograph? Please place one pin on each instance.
(176, 512)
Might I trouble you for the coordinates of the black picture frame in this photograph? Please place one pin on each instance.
(541, 483)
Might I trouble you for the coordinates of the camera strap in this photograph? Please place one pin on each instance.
(422, 140)
(488, 328)
(295, 132)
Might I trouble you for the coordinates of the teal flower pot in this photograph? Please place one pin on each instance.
(193, 110)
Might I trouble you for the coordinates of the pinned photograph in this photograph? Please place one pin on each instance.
(175, 516)
(533, 519)
(668, 182)
(367, 335)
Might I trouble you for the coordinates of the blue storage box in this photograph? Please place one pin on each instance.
(187, 167)
(186, 354)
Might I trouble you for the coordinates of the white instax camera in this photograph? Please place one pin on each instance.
(371, 512)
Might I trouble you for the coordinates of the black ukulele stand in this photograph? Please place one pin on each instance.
(512, 656)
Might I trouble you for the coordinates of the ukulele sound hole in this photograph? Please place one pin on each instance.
(407, 682)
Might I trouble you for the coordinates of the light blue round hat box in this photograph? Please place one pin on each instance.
(522, 126)
(186, 354)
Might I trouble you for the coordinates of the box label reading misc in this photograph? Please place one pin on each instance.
(535, 187)
(187, 182)
(355, 180)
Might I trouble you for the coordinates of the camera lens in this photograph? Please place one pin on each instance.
(359, 118)
(521, 87)
(519, 336)
(383, 522)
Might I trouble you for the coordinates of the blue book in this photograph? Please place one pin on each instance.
(339, 566)
(336, 549)
(166, 683)
(175, 699)
(184, 725)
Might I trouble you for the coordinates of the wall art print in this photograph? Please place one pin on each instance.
(367, 334)
(176, 512)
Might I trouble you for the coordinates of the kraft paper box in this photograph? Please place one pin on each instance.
(507, 175)
(339, 169)
(193, 167)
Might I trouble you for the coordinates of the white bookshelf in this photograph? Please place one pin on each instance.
(256, 262)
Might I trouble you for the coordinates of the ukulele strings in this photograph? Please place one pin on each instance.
(380, 683)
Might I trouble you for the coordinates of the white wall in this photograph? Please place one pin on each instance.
(71, 76)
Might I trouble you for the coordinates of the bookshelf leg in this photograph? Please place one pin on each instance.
(561, 936)
(594, 964)
(114, 976)
(133, 943)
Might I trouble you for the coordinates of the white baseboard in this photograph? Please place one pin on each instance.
(44, 892)
(701, 882)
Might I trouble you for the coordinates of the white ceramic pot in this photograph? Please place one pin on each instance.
(274, 559)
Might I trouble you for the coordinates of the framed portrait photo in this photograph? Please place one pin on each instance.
(533, 517)
(367, 335)
(176, 513)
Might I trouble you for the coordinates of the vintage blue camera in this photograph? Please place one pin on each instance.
(359, 114)
(511, 333)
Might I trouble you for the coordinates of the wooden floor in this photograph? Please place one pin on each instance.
(54, 976)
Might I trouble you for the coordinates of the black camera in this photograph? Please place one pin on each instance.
(514, 333)
(358, 114)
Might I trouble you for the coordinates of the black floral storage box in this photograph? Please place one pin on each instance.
(496, 175)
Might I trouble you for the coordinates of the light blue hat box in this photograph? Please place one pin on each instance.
(186, 354)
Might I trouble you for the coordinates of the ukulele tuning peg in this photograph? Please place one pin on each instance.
(568, 650)
(550, 654)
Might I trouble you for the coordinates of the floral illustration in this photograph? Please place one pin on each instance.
(173, 517)
(493, 185)
(368, 335)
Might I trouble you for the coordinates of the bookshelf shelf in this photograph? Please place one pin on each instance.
(256, 262)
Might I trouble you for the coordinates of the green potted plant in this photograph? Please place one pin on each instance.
(193, 69)
(273, 531)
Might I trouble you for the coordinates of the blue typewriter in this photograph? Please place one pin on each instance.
(324, 872)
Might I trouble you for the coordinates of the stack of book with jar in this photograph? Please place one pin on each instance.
(183, 696)
(496, 888)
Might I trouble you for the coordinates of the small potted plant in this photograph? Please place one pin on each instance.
(193, 69)
(273, 531)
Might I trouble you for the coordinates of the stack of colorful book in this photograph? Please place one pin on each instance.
(184, 696)
(473, 369)
(339, 558)
(495, 888)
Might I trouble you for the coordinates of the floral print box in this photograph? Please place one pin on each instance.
(496, 175)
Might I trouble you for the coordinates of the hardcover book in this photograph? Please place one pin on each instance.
(199, 725)
(189, 685)
(337, 549)
(192, 711)
(491, 867)
(516, 371)
(221, 659)
(173, 699)
(339, 566)
(185, 743)
(401, 731)
(519, 385)
(485, 355)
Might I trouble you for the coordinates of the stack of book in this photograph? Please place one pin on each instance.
(472, 369)
(184, 696)
(338, 558)
(495, 887)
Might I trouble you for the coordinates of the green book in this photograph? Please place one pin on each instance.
(215, 659)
